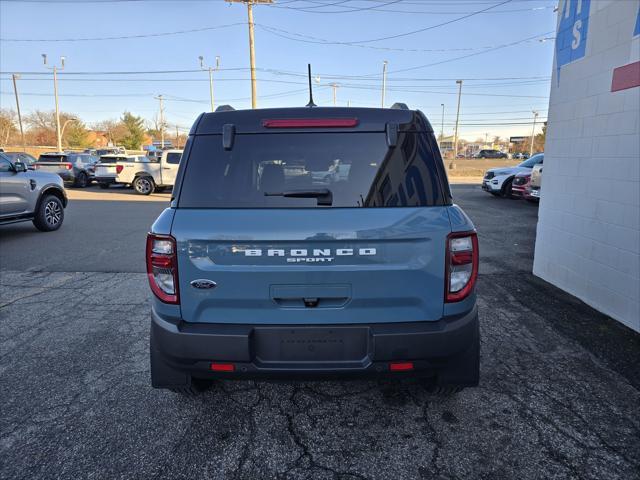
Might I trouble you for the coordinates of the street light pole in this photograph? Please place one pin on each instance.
(65, 125)
(384, 80)
(211, 70)
(15, 90)
(160, 98)
(55, 92)
(252, 53)
(455, 148)
(335, 89)
(533, 132)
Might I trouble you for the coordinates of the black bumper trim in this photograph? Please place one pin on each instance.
(190, 348)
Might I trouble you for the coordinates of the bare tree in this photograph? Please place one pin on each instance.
(8, 125)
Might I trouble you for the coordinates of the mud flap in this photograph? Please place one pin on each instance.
(463, 370)
(163, 375)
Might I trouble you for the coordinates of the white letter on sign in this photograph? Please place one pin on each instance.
(577, 37)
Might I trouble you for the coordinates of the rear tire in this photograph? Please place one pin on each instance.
(144, 185)
(198, 386)
(50, 214)
(444, 390)
(82, 180)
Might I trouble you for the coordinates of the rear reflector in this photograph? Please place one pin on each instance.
(310, 123)
(223, 367)
(400, 366)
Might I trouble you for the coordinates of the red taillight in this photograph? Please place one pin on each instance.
(162, 267)
(68, 166)
(119, 169)
(222, 367)
(400, 366)
(461, 269)
(310, 123)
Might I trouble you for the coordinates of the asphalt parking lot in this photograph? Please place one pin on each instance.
(559, 394)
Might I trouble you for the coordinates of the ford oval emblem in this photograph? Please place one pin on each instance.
(203, 283)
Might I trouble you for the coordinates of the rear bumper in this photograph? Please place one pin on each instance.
(447, 349)
(105, 179)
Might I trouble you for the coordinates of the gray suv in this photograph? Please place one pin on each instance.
(76, 169)
(30, 195)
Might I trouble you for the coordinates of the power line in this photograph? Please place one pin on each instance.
(376, 8)
(420, 30)
(298, 37)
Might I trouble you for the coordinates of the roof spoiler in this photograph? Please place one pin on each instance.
(225, 108)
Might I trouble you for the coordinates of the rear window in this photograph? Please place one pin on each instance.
(358, 169)
(174, 158)
(536, 159)
(52, 158)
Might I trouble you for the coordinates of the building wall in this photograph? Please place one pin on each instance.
(588, 237)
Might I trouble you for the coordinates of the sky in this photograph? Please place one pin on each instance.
(502, 50)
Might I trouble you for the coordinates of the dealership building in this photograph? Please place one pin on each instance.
(588, 236)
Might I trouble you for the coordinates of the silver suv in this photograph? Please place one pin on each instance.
(30, 195)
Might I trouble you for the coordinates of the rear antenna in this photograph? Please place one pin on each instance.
(310, 104)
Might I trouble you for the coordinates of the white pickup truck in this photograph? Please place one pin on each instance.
(151, 173)
(105, 170)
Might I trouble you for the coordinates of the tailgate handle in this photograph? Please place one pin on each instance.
(311, 302)
(311, 296)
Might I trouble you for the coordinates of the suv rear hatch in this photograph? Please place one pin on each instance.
(106, 168)
(54, 163)
(303, 227)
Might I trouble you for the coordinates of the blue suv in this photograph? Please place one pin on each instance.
(312, 243)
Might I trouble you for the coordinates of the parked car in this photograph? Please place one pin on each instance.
(337, 171)
(533, 193)
(520, 184)
(255, 273)
(27, 195)
(499, 181)
(106, 169)
(490, 154)
(110, 151)
(75, 169)
(23, 158)
(149, 174)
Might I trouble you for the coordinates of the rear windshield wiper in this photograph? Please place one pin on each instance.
(324, 195)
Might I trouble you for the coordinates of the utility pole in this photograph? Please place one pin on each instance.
(211, 70)
(177, 137)
(442, 124)
(160, 98)
(252, 54)
(533, 132)
(455, 148)
(486, 137)
(55, 92)
(384, 80)
(335, 89)
(15, 90)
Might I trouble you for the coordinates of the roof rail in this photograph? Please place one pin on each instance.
(225, 108)
(400, 106)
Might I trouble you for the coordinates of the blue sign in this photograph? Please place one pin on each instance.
(636, 31)
(571, 39)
